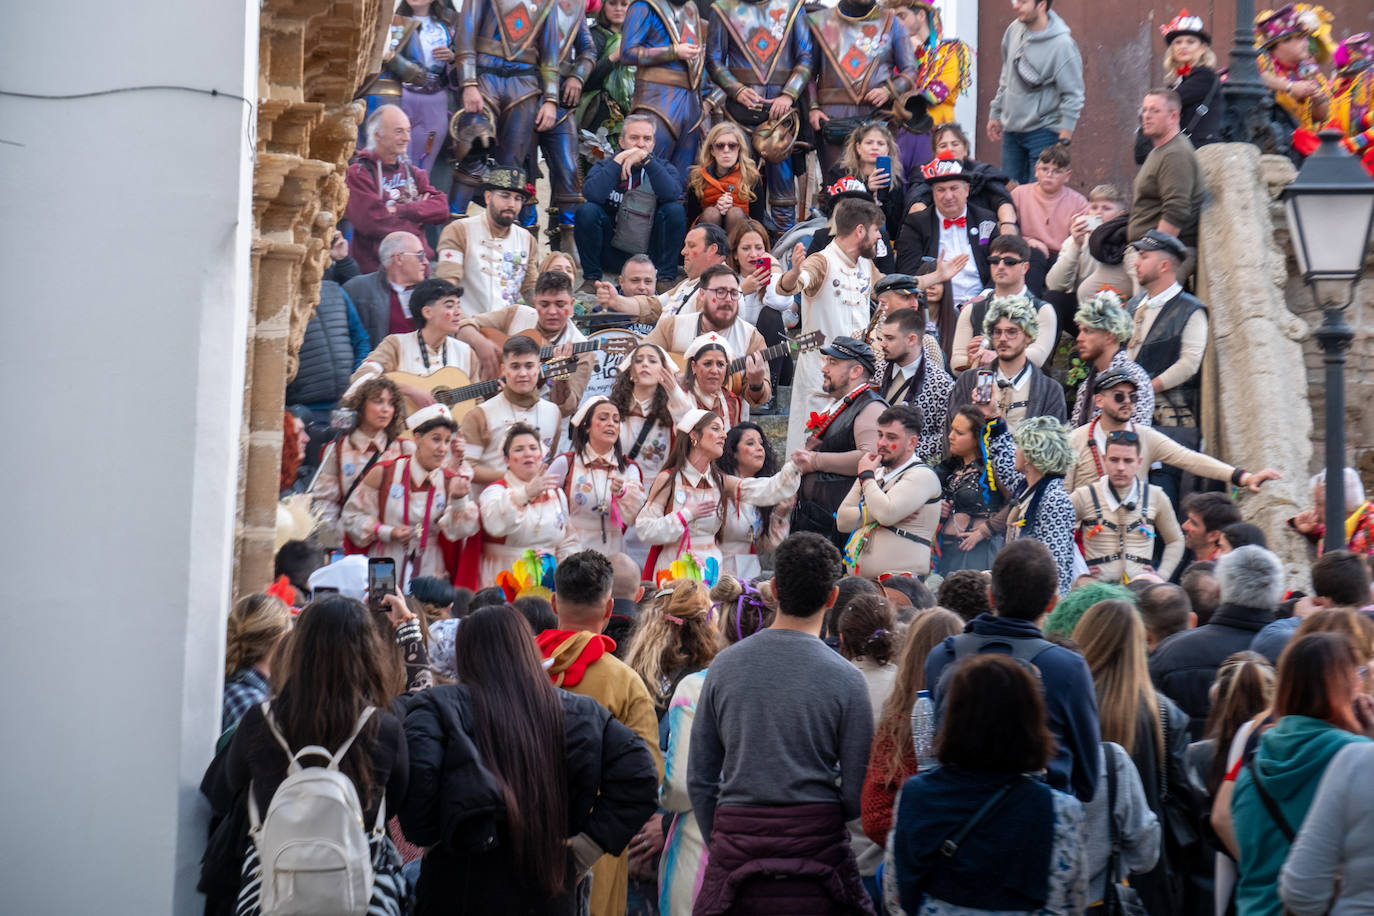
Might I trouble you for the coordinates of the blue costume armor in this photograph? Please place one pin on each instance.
(856, 54)
(666, 88)
(763, 45)
(508, 49)
(576, 57)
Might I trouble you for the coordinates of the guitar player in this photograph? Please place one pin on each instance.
(550, 319)
(485, 425)
(718, 299)
(437, 309)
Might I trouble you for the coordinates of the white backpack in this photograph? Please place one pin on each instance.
(312, 847)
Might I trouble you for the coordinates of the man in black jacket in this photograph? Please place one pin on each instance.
(951, 228)
(1184, 665)
(605, 188)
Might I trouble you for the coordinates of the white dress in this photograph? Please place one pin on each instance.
(677, 532)
(596, 519)
(835, 301)
(743, 537)
(512, 526)
(409, 496)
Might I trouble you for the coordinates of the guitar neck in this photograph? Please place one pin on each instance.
(451, 396)
(773, 352)
(585, 347)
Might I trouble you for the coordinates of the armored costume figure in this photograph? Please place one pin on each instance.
(763, 46)
(858, 48)
(664, 40)
(417, 78)
(507, 58)
(576, 57)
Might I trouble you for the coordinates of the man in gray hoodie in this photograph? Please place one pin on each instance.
(1040, 92)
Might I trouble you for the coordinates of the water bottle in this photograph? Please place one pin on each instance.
(923, 730)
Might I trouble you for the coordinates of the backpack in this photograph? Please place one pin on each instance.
(1024, 649)
(312, 847)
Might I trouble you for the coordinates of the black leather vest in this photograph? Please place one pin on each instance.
(822, 486)
(1179, 405)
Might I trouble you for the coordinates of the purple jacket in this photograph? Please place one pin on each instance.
(793, 861)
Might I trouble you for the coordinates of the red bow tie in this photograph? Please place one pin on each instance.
(1184, 71)
(960, 222)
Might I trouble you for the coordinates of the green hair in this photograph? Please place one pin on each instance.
(1019, 310)
(1044, 442)
(1076, 603)
(1105, 313)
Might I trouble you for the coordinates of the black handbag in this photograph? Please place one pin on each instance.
(837, 130)
(1118, 899)
(634, 221)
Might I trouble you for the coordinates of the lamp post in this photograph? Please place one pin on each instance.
(1330, 209)
(1248, 102)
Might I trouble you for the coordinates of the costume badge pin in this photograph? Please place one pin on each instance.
(397, 491)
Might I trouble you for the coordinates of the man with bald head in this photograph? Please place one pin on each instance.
(627, 588)
(386, 193)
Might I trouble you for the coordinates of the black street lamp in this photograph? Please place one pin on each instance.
(1249, 105)
(1330, 209)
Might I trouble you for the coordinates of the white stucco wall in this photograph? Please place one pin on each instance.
(125, 223)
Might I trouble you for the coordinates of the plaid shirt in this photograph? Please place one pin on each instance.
(242, 689)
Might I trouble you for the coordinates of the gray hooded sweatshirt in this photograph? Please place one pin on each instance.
(1041, 85)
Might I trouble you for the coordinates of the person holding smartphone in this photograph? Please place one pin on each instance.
(872, 156)
(415, 509)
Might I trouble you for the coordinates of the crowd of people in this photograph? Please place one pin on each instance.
(982, 631)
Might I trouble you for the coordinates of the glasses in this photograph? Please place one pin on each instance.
(1005, 332)
(725, 292)
(1051, 170)
(1122, 397)
(725, 145)
(1123, 435)
(1008, 261)
(417, 255)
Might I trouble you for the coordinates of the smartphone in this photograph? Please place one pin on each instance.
(982, 393)
(381, 580)
(764, 263)
(1093, 222)
(884, 164)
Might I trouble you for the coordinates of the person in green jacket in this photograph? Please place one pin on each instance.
(1321, 706)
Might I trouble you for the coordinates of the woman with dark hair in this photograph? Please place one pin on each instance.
(1153, 732)
(604, 490)
(686, 505)
(705, 377)
(892, 758)
(868, 639)
(760, 303)
(526, 509)
(987, 185)
(647, 395)
(1320, 707)
(516, 786)
(1019, 843)
(374, 437)
(749, 530)
(420, 64)
(973, 516)
(610, 86)
(336, 676)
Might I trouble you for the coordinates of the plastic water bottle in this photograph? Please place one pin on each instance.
(923, 730)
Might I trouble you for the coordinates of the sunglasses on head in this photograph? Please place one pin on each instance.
(1123, 435)
(1006, 259)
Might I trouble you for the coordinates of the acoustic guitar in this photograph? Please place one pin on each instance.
(451, 386)
(617, 346)
(812, 340)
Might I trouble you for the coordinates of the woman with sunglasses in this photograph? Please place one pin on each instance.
(724, 187)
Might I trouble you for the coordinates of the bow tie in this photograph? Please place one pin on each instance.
(1184, 71)
(960, 222)
(600, 464)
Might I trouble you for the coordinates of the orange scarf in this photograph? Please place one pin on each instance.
(713, 188)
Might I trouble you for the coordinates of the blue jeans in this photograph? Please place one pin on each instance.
(1020, 149)
(594, 227)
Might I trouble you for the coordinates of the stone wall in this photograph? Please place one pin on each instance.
(313, 55)
(1259, 416)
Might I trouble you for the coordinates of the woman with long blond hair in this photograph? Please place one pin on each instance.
(675, 637)
(1147, 725)
(256, 625)
(724, 187)
(862, 150)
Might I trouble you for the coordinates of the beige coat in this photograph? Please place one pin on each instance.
(905, 500)
(1117, 546)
